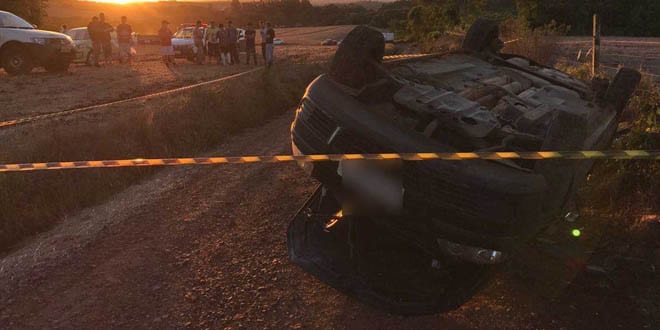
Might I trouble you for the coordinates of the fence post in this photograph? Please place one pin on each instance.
(595, 53)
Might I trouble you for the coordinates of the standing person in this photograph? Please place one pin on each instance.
(250, 36)
(262, 32)
(64, 29)
(198, 37)
(233, 43)
(106, 40)
(270, 37)
(124, 38)
(213, 42)
(166, 49)
(223, 37)
(93, 31)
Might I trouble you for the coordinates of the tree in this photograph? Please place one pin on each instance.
(32, 10)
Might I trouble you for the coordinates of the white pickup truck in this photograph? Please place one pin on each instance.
(23, 47)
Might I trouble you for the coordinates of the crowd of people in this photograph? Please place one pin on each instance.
(212, 43)
(220, 43)
(100, 35)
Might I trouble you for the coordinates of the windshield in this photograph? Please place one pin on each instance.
(78, 34)
(8, 20)
(184, 33)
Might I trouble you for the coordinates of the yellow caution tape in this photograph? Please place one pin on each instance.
(540, 155)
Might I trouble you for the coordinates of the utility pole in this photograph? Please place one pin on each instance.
(595, 50)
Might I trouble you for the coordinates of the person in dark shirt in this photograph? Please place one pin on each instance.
(233, 43)
(250, 36)
(262, 34)
(270, 37)
(198, 38)
(124, 38)
(97, 47)
(223, 38)
(166, 49)
(104, 36)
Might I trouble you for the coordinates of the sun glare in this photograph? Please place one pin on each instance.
(122, 2)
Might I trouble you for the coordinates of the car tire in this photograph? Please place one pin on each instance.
(16, 60)
(353, 64)
(58, 66)
(480, 35)
(622, 88)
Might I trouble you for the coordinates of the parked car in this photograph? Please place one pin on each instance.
(23, 47)
(84, 47)
(329, 42)
(278, 41)
(419, 237)
(183, 43)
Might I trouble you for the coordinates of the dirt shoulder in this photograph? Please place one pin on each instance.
(205, 247)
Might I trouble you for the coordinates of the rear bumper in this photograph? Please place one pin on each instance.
(183, 51)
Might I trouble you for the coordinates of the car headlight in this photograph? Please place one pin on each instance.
(40, 41)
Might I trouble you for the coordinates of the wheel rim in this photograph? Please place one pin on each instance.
(16, 61)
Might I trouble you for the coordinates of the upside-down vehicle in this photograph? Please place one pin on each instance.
(416, 237)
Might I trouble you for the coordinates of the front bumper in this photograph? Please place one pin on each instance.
(53, 51)
(356, 255)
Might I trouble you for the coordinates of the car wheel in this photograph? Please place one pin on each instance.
(353, 64)
(16, 60)
(622, 88)
(58, 66)
(480, 35)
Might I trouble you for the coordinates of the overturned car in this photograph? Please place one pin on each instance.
(416, 237)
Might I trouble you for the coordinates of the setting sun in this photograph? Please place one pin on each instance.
(122, 2)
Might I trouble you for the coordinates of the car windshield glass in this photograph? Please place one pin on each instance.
(8, 20)
(78, 34)
(184, 33)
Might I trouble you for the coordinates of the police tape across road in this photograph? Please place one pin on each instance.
(26, 120)
(452, 156)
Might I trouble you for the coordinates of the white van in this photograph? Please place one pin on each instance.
(23, 47)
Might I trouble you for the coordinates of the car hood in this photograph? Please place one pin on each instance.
(38, 33)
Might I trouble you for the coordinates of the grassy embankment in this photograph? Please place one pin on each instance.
(187, 124)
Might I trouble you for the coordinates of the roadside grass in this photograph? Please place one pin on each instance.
(538, 44)
(632, 187)
(186, 125)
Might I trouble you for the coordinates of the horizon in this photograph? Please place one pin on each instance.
(127, 2)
